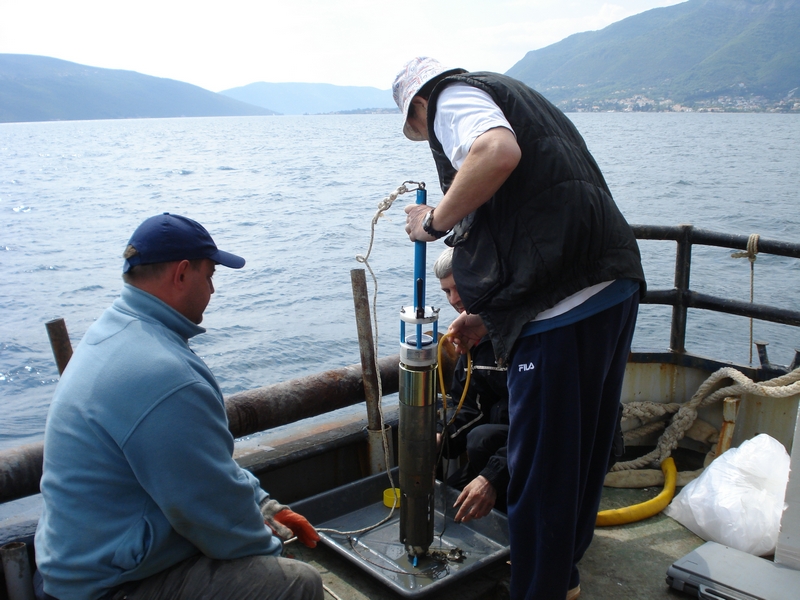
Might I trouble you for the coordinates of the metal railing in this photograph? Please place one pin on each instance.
(681, 298)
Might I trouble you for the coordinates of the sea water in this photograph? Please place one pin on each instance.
(295, 195)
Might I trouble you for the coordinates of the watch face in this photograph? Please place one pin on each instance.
(427, 226)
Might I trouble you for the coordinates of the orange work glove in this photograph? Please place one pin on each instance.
(299, 525)
(286, 523)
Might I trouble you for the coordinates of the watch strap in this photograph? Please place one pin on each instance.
(427, 226)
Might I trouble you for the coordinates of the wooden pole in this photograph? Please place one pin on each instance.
(366, 347)
(59, 342)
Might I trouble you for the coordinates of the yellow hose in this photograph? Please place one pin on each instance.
(644, 510)
(441, 381)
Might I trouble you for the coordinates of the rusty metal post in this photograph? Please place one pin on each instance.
(366, 347)
(380, 452)
(762, 354)
(683, 265)
(59, 342)
(730, 410)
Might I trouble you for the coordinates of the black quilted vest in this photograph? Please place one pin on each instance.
(551, 230)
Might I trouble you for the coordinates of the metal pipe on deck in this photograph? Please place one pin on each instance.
(248, 412)
(20, 471)
(17, 570)
(283, 403)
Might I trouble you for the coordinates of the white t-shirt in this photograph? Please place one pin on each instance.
(464, 113)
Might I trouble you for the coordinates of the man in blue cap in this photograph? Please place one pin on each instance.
(141, 496)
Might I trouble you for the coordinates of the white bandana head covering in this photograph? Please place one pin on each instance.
(416, 73)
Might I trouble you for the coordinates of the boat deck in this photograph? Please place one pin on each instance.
(627, 562)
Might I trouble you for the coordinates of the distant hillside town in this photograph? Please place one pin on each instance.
(641, 103)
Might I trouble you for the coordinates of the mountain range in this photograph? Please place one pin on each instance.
(39, 88)
(697, 55)
(701, 53)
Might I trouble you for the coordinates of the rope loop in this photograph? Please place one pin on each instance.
(752, 249)
(751, 254)
(383, 206)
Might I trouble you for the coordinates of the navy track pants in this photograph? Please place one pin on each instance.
(564, 387)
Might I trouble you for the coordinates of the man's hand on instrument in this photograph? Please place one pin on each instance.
(466, 331)
(415, 214)
(475, 501)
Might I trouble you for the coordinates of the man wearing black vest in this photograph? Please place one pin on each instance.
(549, 269)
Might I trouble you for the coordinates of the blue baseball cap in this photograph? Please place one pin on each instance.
(166, 238)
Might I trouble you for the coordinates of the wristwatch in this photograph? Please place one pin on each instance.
(427, 226)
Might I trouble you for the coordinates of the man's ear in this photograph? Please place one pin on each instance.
(421, 102)
(179, 274)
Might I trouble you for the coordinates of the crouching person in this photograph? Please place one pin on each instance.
(480, 428)
(141, 496)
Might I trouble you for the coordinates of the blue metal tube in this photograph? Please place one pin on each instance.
(419, 272)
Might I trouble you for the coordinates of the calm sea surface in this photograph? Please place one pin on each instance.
(295, 196)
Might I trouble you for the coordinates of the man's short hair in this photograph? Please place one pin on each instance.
(149, 272)
(443, 267)
(141, 273)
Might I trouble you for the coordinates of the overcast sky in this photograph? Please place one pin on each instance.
(228, 43)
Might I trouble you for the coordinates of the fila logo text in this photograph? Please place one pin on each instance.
(528, 367)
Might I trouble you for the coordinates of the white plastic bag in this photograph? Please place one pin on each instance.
(738, 500)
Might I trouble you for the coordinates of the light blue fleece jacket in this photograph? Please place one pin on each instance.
(138, 467)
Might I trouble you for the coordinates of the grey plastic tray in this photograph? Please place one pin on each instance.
(379, 551)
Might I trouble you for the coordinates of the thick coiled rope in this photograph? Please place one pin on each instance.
(685, 415)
